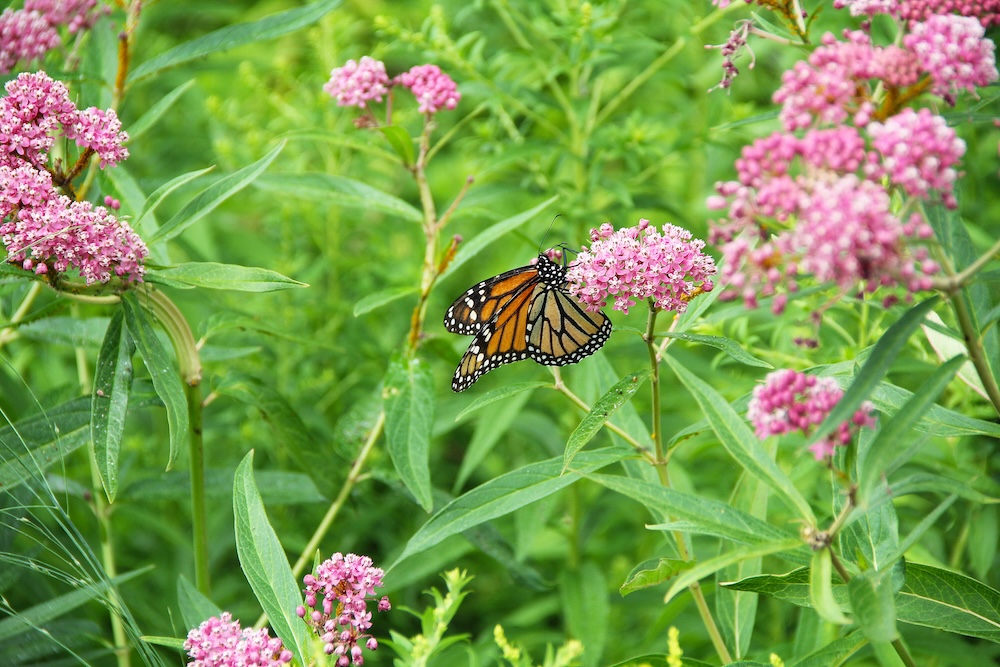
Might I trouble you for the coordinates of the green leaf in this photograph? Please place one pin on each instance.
(232, 36)
(587, 611)
(485, 239)
(653, 572)
(36, 442)
(885, 454)
(937, 420)
(276, 487)
(153, 201)
(502, 495)
(834, 654)
(491, 426)
(370, 302)
(713, 516)
(109, 404)
(233, 277)
(166, 378)
(601, 412)
(210, 198)
(69, 331)
(873, 605)
(195, 607)
(264, 563)
(338, 190)
(821, 589)
(501, 393)
(727, 345)
(401, 142)
(155, 112)
(740, 441)
(730, 557)
(945, 600)
(879, 361)
(409, 417)
(931, 597)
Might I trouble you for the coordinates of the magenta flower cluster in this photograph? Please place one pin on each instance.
(219, 642)
(816, 198)
(638, 263)
(45, 231)
(336, 606)
(790, 401)
(28, 34)
(359, 83)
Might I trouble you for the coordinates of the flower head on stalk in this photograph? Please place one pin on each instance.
(433, 88)
(27, 34)
(790, 401)
(363, 82)
(986, 11)
(638, 263)
(336, 606)
(219, 642)
(357, 83)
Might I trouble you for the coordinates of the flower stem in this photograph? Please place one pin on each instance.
(10, 332)
(661, 469)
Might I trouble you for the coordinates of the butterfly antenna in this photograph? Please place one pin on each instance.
(541, 246)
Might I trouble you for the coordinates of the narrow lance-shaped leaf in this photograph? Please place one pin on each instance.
(212, 275)
(502, 495)
(879, 361)
(155, 112)
(339, 190)
(264, 562)
(232, 36)
(409, 417)
(112, 383)
(154, 200)
(210, 198)
(885, 453)
(370, 302)
(600, 413)
(821, 588)
(873, 604)
(727, 345)
(740, 441)
(483, 240)
(166, 378)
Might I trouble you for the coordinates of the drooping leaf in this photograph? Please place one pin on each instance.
(727, 345)
(109, 406)
(409, 417)
(821, 589)
(653, 572)
(155, 112)
(263, 561)
(339, 190)
(873, 605)
(740, 441)
(166, 378)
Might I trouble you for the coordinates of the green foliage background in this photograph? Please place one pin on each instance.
(295, 376)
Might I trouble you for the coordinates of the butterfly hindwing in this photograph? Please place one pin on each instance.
(525, 313)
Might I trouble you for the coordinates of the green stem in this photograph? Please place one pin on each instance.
(642, 77)
(661, 469)
(199, 504)
(178, 330)
(903, 653)
(579, 402)
(974, 344)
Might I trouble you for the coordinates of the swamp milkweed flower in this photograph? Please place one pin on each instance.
(219, 642)
(638, 263)
(338, 596)
(790, 401)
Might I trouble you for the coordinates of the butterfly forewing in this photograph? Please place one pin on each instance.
(523, 313)
(481, 302)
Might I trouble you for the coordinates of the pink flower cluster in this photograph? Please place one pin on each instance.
(36, 107)
(358, 83)
(28, 34)
(219, 642)
(45, 231)
(789, 401)
(433, 88)
(338, 597)
(954, 52)
(638, 263)
(986, 11)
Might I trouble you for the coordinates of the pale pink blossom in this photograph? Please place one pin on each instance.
(358, 82)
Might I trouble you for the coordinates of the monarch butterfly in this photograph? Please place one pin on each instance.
(524, 313)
